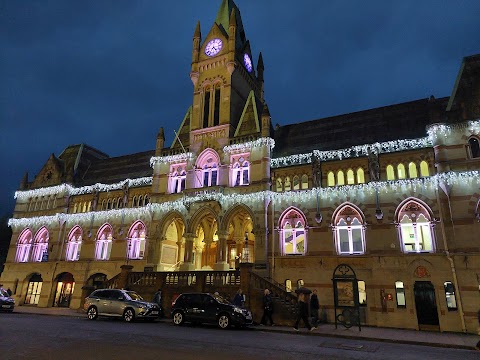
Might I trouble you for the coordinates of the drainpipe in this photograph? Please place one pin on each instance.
(446, 190)
(272, 231)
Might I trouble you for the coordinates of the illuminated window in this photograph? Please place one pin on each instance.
(390, 173)
(340, 178)
(360, 176)
(134, 202)
(296, 182)
(40, 245)
(415, 228)
(103, 204)
(89, 206)
(300, 283)
(75, 208)
(103, 244)
(474, 147)
(288, 184)
(424, 169)
(177, 178)
(400, 291)
(74, 244)
(350, 177)
(241, 172)
(24, 246)
(279, 184)
(450, 295)
(293, 233)
(412, 170)
(207, 165)
(146, 200)
(34, 289)
(331, 179)
(349, 231)
(304, 181)
(401, 171)
(362, 293)
(136, 241)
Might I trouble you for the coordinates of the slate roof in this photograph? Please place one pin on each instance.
(401, 121)
(115, 169)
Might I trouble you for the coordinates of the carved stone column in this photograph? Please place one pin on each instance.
(188, 264)
(206, 249)
(221, 264)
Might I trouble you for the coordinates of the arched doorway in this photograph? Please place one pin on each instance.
(426, 305)
(241, 238)
(172, 245)
(64, 290)
(34, 289)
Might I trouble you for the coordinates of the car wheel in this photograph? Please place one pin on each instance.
(92, 313)
(223, 321)
(178, 318)
(128, 315)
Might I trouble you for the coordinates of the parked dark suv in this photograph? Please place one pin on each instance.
(121, 303)
(207, 308)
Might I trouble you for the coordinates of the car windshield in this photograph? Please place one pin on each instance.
(221, 299)
(3, 292)
(134, 296)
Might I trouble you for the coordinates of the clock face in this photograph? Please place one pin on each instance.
(213, 47)
(248, 62)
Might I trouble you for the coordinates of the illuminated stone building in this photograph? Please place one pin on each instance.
(393, 192)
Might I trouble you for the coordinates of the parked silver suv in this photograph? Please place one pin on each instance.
(119, 303)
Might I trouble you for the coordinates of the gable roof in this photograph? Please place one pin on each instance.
(400, 121)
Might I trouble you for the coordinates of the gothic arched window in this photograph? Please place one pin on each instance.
(340, 178)
(103, 244)
(40, 244)
(415, 227)
(349, 231)
(296, 183)
(24, 245)
(74, 244)
(360, 176)
(424, 169)
(279, 184)
(474, 147)
(401, 171)
(288, 184)
(390, 173)
(136, 241)
(304, 181)
(412, 170)
(241, 171)
(331, 179)
(293, 234)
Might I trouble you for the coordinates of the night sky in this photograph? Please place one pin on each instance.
(111, 73)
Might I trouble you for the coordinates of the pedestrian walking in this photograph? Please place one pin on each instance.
(314, 307)
(302, 308)
(267, 308)
(239, 299)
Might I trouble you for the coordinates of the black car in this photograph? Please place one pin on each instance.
(208, 309)
(6, 302)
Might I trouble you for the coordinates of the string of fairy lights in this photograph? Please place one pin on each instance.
(467, 178)
(438, 132)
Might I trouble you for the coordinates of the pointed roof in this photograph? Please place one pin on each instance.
(249, 122)
(223, 20)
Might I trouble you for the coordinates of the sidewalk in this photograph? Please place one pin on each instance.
(426, 338)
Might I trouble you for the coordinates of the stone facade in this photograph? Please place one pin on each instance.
(393, 192)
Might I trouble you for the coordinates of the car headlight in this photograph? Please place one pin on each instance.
(238, 310)
(144, 307)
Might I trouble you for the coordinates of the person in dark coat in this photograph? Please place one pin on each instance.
(9, 292)
(239, 299)
(302, 309)
(157, 299)
(314, 307)
(267, 308)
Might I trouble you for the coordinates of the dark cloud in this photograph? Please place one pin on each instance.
(110, 73)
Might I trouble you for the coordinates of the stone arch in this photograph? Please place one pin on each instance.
(345, 204)
(417, 200)
(196, 218)
(230, 213)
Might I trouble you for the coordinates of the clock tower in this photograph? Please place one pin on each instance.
(228, 100)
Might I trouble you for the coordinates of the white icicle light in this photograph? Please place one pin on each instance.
(170, 158)
(354, 151)
(249, 145)
(70, 190)
(304, 196)
(437, 131)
